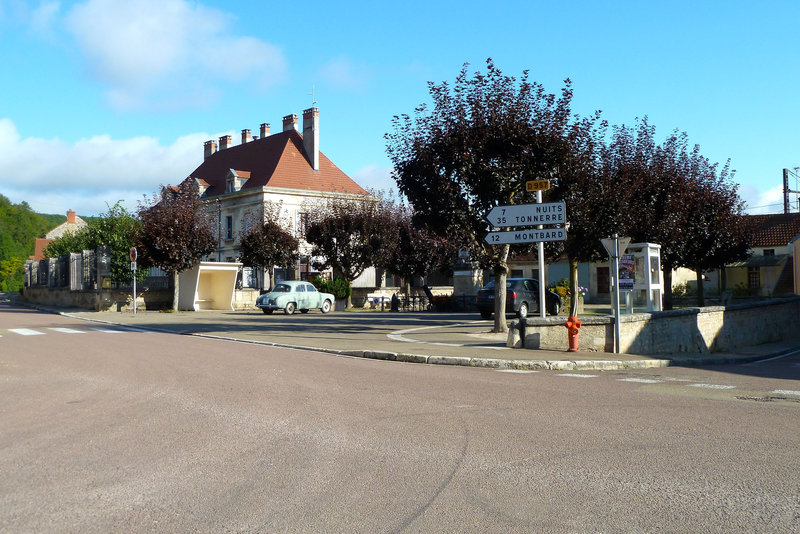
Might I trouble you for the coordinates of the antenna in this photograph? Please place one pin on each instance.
(313, 96)
(787, 191)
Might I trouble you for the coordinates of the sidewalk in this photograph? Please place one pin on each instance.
(418, 337)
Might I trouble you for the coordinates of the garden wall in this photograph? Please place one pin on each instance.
(691, 330)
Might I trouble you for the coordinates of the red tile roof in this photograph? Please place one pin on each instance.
(775, 230)
(277, 160)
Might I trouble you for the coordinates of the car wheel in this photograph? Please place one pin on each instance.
(554, 308)
(304, 311)
(266, 311)
(326, 306)
(523, 310)
(289, 309)
(486, 315)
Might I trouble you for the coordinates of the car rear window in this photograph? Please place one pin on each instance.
(282, 288)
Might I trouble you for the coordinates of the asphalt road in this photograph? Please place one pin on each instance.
(106, 429)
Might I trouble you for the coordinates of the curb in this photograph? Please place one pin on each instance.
(490, 363)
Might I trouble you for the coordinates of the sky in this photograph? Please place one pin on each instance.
(106, 100)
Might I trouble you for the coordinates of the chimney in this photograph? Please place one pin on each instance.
(210, 147)
(264, 129)
(289, 122)
(246, 136)
(225, 142)
(311, 136)
(70, 217)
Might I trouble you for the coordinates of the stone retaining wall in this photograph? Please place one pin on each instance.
(691, 330)
(103, 300)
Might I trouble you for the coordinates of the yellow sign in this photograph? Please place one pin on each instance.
(537, 185)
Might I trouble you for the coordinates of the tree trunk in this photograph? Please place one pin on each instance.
(701, 301)
(667, 291)
(500, 274)
(573, 287)
(175, 293)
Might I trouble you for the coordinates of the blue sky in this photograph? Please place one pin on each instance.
(104, 100)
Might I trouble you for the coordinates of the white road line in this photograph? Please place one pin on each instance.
(786, 392)
(775, 358)
(398, 335)
(576, 375)
(640, 380)
(66, 330)
(516, 371)
(711, 386)
(25, 332)
(107, 330)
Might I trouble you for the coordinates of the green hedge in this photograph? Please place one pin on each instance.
(338, 287)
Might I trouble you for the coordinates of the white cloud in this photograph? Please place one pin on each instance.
(53, 176)
(760, 202)
(375, 177)
(341, 72)
(157, 53)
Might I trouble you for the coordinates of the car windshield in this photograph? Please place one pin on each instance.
(282, 288)
(509, 284)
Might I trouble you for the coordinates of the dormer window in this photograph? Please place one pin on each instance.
(230, 185)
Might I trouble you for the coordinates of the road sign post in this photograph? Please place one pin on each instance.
(615, 245)
(526, 236)
(133, 256)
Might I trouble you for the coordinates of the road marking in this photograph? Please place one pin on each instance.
(786, 392)
(776, 357)
(711, 386)
(107, 330)
(398, 335)
(67, 330)
(576, 375)
(640, 380)
(25, 332)
(516, 371)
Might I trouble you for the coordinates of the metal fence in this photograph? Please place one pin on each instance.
(88, 270)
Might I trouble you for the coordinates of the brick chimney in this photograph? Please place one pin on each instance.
(290, 122)
(264, 130)
(311, 136)
(246, 136)
(225, 142)
(209, 148)
(70, 217)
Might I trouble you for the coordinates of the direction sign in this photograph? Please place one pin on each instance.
(526, 236)
(528, 214)
(537, 185)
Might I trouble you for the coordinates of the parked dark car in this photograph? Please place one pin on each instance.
(522, 298)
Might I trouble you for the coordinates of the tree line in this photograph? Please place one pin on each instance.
(486, 134)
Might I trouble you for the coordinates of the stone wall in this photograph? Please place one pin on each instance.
(103, 300)
(691, 330)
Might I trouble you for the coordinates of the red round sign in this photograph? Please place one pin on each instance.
(133, 253)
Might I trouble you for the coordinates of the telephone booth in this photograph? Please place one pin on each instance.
(645, 284)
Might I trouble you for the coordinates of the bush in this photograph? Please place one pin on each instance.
(338, 287)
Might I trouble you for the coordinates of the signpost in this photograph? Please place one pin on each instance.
(526, 236)
(537, 185)
(615, 246)
(133, 256)
(528, 214)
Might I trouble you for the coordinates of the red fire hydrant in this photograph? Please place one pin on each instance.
(573, 324)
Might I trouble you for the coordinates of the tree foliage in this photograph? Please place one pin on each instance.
(176, 233)
(268, 244)
(117, 230)
(483, 138)
(347, 234)
(19, 228)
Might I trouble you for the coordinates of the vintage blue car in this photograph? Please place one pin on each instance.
(294, 295)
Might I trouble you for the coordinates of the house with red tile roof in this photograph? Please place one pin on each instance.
(285, 168)
(72, 225)
(770, 268)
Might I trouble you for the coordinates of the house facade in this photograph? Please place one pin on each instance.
(72, 225)
(769, 271)
(240, 184)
